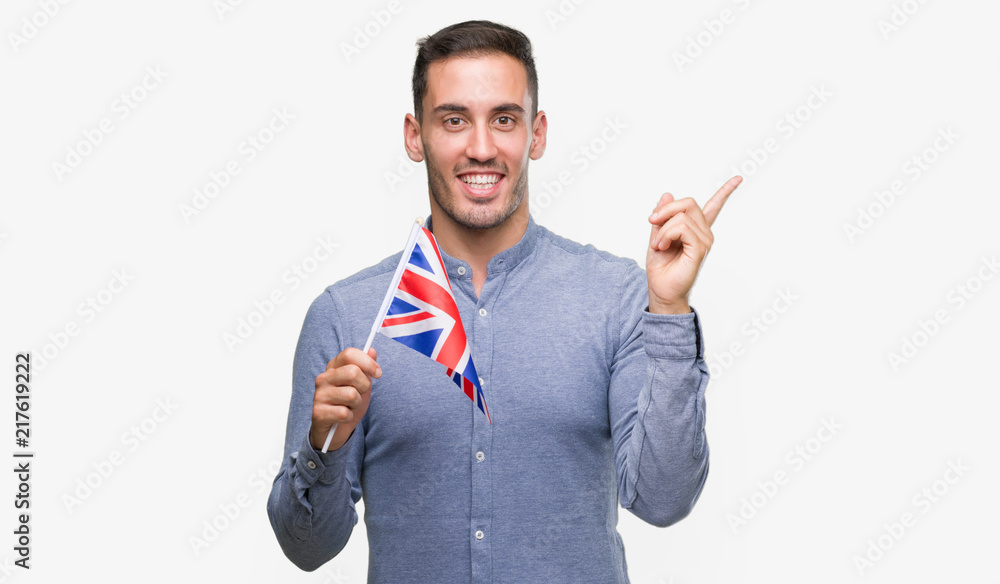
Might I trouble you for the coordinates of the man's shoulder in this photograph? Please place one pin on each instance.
(566, 250)
(363, 282)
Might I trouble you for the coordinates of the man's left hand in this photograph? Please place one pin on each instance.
(679, 240)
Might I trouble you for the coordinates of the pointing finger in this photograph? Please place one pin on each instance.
(714, 205)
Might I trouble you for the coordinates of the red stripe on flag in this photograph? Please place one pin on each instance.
(429, 291)
(430, 238)
(395, 320)
(432, 293)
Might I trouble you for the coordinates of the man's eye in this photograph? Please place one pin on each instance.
(453, 121)
(505, 120)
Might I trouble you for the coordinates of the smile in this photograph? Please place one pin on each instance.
(481, 184)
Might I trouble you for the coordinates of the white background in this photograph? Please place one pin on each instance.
(826, 354)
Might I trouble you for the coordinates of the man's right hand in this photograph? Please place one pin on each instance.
(342, 395)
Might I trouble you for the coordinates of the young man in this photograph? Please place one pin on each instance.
(593, 370)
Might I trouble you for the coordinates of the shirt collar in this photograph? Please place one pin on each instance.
(505, 260)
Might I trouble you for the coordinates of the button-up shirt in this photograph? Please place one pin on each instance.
(594, 401)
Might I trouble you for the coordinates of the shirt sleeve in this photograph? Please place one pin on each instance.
(661, 452)
(311, 504)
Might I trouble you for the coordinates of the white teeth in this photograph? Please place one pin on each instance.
(481, 179)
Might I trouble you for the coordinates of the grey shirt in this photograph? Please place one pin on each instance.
(595, 402)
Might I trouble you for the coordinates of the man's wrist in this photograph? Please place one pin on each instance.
(681, 307)
(337, 441)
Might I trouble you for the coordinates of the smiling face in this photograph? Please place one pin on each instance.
(477, 135)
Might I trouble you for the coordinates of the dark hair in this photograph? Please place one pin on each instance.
(472, 38)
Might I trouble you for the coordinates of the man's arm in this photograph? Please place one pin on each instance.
(661, 452)
(311, 505)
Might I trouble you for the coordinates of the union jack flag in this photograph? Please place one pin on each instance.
(423, 316)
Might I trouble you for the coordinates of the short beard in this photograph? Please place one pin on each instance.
(477, 218)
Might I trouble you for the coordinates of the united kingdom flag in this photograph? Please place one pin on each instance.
(423, 316)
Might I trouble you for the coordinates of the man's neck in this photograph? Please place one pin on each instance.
(478, 246)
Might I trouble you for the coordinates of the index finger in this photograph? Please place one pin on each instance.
(353, 356)
(714, 205)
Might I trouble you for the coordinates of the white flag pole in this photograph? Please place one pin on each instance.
(412, 241)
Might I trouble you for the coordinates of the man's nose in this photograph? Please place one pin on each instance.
(481, 144)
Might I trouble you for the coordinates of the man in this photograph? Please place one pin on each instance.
(593, 371)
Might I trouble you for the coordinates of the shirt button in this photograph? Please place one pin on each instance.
(461, 270)
(482, 312)
(480, 455)
(311, 465)
(480, 534)
(482, 381)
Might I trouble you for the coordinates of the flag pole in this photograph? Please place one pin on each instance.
(390, 293)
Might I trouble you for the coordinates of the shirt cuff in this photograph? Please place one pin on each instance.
(672, 336)
(325, 467)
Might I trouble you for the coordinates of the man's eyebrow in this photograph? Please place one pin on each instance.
(509, 107)
(452, 107)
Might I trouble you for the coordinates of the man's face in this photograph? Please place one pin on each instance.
(477, 136)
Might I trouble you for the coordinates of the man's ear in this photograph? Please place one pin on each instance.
(411, 139)
(538, 132)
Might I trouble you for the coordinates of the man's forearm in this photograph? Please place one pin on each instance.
(667, 460)
(311, 505)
